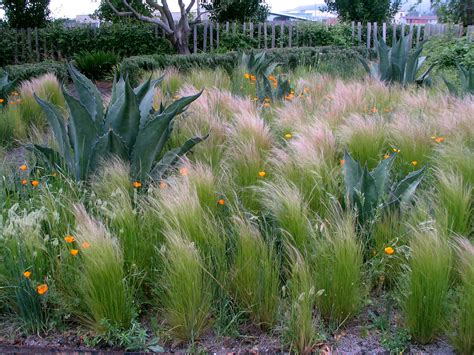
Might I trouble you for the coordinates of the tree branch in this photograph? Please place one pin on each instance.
(117, 12)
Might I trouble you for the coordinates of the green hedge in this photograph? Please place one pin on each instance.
(27, 71)
(288, 57)
(124, 40)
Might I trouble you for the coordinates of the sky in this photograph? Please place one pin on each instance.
(71, 8)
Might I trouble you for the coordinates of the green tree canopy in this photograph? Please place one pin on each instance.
(26, 13)
(364, 10)
(455, 11)
(237, 10)
(105, 13)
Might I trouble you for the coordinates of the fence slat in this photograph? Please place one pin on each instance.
(204, 44)
(352, 32)
(227, 27)
(211, 35)
(410, 41)
(265, 34)
(195, 39)
(282, 34)
(384, 32)
(37, 48)
(359, 33)
(418, 34)
(217, 35)
(369, 32)
(273, 35)
(376, 38)
(290, 35)
(259, 35)
(251, 29)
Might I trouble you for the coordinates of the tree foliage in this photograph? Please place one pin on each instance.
(455, 11)
(364, 10)
(105, 13)
(26, 13)
(237, 10)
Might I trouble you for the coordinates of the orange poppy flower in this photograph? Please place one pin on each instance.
(439, 140)
(137, 184)
(27, 274)
(342, 161)
(163, 185)
(69, 239)
(2, 101)
(23, 167)
(247, 76)
(221, 202)
(414, 163)
(262, 173)
(35, 183)
(374, 110)
(389, 250)
(74, 252)
(266, 104)
(42, 289)
(184, 171)
(24, 182)
(86, 245)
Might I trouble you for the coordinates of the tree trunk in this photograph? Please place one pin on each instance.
(180, 41)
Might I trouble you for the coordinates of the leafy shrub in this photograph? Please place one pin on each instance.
(96, 64)
(235, 42)
(29, 71)
(318, 34)
(448, 52)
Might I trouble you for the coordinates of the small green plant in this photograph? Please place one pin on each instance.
(6, 87)
(466, 76)
(129, 128)
(397, 64)
(427, 285)
(96, 64)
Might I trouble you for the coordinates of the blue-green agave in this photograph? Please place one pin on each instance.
(129, 128)
(368, 191)
(398, 64)
(466, 76)
(6, 86)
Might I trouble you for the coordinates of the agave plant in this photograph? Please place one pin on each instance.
(369, 191)
(398, 64)
(6, 86)
(466, 76)
(129, 128)
(268, 87)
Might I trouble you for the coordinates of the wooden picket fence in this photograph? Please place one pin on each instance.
(30, 45)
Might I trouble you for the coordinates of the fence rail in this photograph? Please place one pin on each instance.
(32, 45)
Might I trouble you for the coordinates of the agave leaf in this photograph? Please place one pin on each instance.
(145, 94)
(118, 90)
(88, 94)
(56, 121)
(365, 64)
(180, 104)
(385, 68)
(381, 174)
(124, 117)
(412, 65)
(451, 87)
(368, 188)
(405, 189)
(110, 144)
(83, 135)
(352, 175)
(150, 142)
(173, 156)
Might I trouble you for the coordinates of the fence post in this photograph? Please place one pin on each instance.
(290, 34)
(418, 34)
(227, 27)
(211, 35)
(234, 28)
(282, 34)
(244, 27)
(369, 32)
(217, 35)
(376, 37)
(37, 49)
(204, 44)
(384, 32)
(273, 35)
(30, 47)
(15, 49)
(410, 42)
(394, 33)
(45, 46)
(195, 39)
(265, 34)
(251, 29)
(470, 34)
(259, 34)
(359, 33)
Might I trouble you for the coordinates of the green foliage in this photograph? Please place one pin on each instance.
(29, 71)
(6, 87)
(240, 11)
(398, 64)
(105, 13)
(369, 191)
(426, 289)
(361, 10)
(463, 325)
(230, 41)
(454, 11)
(319, 34)
(126, 129)
(97, 64)
(448, 52)
(338, 271)
(466, 76)
(26, 13)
